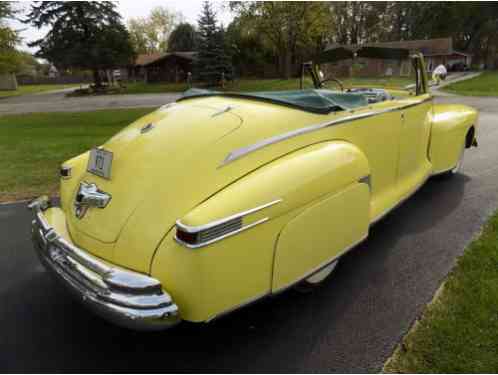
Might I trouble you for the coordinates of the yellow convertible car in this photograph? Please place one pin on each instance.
(219, 199)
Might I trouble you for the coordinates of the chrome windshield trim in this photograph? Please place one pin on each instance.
(243, 151)
(199, 228)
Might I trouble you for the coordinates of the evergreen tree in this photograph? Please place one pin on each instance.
(212, 59)
(84, 34)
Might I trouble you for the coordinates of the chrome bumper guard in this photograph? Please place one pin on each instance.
(126, 298)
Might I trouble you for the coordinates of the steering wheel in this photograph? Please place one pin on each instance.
(335, 80)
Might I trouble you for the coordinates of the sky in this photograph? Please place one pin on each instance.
(128, 9)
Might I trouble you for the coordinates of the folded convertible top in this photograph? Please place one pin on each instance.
(316, 101)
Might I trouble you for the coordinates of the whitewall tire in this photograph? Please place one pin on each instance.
(317, 278)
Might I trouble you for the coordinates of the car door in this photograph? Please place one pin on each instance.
(413, 164)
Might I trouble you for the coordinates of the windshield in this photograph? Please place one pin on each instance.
(364, 72)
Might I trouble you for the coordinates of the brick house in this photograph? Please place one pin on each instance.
(435, 51)
(162, 67)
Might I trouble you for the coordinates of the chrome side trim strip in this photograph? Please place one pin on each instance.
(243, 151)
(321, 266)
(199, 228)
(202, 244)
(237, 154)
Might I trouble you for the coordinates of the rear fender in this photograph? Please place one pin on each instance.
(297, 179)
(320, 234)
(208, 281)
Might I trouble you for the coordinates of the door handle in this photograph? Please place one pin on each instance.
(403, 116)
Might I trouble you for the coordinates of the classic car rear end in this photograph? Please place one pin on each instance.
(219, 199)
(121, 296)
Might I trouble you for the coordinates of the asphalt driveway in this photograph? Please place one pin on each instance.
(57, 101)
(351, 324)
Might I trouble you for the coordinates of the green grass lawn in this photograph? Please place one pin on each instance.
(458, 332)
(245, 85)
(153, 88)
(484, 85)
(240, 85)
(33, 89)
(34, 145)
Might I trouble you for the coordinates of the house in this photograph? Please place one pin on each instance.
(436, 52)
(53, 72)
(137, 70)
(365, 61)
(162, 67)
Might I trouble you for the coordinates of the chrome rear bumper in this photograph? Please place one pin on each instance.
(126, 298)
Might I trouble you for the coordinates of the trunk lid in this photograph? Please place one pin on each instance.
(144, 160)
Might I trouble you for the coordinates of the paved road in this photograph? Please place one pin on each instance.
(58, 102)
(351, 324)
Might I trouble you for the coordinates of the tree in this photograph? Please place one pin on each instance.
(249, 51)
(84, 35)
(287, 26)
(472, 26)
(10, 58)
(358, 22)
(182, 38)
(28, 64)
(212, 59)
(297, 29)
(151, 34)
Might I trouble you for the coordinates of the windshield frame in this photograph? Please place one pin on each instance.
(339, 53)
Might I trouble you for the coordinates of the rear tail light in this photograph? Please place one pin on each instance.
(202, 235)
(206, 236)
